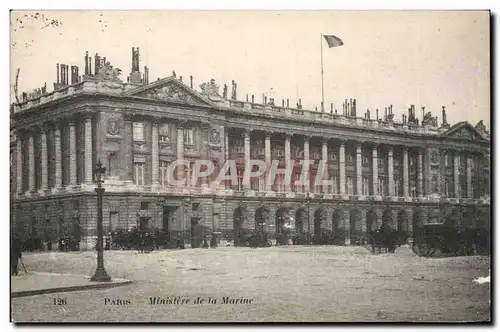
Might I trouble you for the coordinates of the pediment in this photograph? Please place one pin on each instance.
(170, 89)
(464, 131)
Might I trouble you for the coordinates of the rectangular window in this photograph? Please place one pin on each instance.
(350, 189)
(262, 183)
(349, 158)
(164, 132)
(381, 187)
(396, 187)
(138, 131)
(144, 205)
(334, 185)
(163, 173)
(366, 187)
(139, 174)
(189, 136)
(447, 188)
(366, 160)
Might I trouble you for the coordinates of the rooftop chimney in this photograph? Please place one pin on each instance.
(191, 81)
(86, 62)
(57, 75)
(233, 92)
(224, 92)
(97, 64)
(445, 123)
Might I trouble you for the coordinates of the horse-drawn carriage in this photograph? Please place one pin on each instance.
(386, 238)
(429, 239)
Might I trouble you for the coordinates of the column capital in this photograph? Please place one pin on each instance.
(87, 114)
(39, 128)
(246, 133)
(182, 124)
(307, 138)
(268, 135)
(324, 140)
(156, 120)
(205, 126)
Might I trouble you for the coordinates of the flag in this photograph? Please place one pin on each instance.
(333, 41)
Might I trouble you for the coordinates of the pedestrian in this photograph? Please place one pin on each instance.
(15, 255)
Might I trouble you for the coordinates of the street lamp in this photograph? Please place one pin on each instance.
(100, 273)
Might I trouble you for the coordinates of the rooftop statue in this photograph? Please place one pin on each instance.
(108, 73)
(428, 120)
(211, 90)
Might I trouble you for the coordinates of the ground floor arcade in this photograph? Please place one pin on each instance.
(231, 218)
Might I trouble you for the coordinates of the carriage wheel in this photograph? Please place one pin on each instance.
(424, 249)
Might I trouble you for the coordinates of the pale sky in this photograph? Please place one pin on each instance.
(395, 57)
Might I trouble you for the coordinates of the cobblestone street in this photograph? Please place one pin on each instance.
(340, 284)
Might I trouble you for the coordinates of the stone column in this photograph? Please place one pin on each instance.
(226, 144)
(246, 141)
(456, 177)
(406, 182)
(154, 154)
(88, 151)
(287, 158)
(19, 164)
(359, 167)
(44, 162)
(128, 150)
(72, 154)
(390, 171)
(31, 163)
(205, 151)
(58, 159)
(420, 175)
(375, 170)
(267, 159)
(307, 183)
(324, 159)
(180, 152)
(342, 168)
(469, 177)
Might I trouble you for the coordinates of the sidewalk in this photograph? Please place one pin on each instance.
(35, 283)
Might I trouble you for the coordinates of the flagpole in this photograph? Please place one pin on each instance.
(322, 78)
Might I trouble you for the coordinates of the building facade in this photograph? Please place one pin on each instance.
(404, 173)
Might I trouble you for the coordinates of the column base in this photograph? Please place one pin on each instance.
(347, 241)
(58, 189)
(73, 187)
(100, 275)
(30, 193)
(44, 192)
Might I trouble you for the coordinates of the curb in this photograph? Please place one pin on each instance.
(69, 288)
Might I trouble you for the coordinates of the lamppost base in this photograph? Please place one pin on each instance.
(100, 275)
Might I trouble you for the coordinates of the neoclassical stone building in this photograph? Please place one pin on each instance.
(402, 172)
